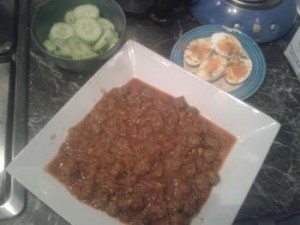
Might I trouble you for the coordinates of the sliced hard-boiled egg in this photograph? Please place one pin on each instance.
(197, 51)
(226, 45)
(212, 68)
(237, 71)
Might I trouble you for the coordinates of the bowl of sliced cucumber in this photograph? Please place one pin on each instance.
(79, 36)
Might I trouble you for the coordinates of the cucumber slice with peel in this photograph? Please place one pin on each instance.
(79, 49)
(61, 31)
(49, 45)
(61, 49)
(104, 41)
(70, 18)
(106, 24)
(88, 30)
(86, 11)
(113, 42)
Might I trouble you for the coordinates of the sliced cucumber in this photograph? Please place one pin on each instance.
(113, 42)
(49, 45)
(88, 30)
(61, 31)
(106, 24)
(70, 18)
(104, 41)
(86, 11)
(83, 34)
(79, 49)
(62, 49)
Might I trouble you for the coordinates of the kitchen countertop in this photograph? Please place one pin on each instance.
(276, 189)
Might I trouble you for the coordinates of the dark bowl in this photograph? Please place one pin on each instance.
(54, 10)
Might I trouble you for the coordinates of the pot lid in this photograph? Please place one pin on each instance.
(255, 4)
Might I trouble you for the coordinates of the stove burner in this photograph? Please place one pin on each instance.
(255, 4)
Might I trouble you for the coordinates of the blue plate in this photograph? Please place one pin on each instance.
(255, 80)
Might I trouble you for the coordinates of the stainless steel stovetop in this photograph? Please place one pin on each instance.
(14, 26)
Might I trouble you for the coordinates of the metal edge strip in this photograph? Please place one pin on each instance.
(16, 199)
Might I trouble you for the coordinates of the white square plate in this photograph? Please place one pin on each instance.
(254, 130)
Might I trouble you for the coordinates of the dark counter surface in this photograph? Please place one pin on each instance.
(276, 189)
